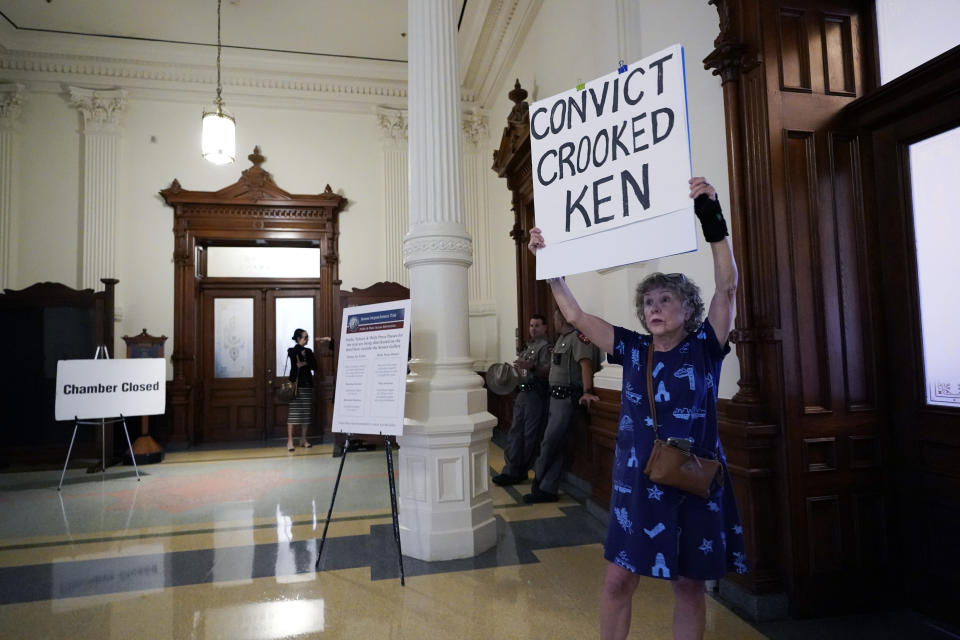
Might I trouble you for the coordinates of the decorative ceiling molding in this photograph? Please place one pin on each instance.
(504, 30)
(45, 62)
(45, 72)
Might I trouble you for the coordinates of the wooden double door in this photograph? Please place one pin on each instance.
(245, 330)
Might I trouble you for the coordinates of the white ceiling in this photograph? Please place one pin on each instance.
(353, 28)
(350, 53)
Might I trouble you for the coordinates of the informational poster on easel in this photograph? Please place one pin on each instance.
(371, 390)
(372, 369)
(610, 162)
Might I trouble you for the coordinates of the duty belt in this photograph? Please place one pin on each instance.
(531, 386)
(561, 392)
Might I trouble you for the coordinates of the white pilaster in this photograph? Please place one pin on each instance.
(393, 129)
(484, 342)
(101, 162)
(628, 31)
(11, 99)
(446, 510)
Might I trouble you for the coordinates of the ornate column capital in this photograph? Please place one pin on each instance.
(101, 109)
(476, 128)
(11, 99)
(393, 127)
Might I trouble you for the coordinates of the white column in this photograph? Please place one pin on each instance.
(393, 129)
(446, 510)
(11, 99)
(484, 342)
(100, 201)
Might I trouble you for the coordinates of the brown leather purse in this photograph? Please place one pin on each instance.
(287, 391)
(671, 465)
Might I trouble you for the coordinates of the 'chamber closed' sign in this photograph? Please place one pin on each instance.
(110, 388)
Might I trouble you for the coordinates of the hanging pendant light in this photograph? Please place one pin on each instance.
(218, 137)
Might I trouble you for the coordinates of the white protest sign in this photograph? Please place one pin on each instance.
(610, 169)
(372, 369)
(110, 388)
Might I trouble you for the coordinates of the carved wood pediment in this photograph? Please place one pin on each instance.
(255, 187)
(42, 290)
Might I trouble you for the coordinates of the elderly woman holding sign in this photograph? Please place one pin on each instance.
(672, 509)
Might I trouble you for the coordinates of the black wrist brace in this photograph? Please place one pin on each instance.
(711, 218)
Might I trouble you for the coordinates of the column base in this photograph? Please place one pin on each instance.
(444, 502)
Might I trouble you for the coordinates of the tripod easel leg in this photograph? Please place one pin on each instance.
(388, 445)
(76, 423)
(333, 498)
(133, 458)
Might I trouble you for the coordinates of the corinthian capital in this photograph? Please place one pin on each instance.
(11, 98)
(101, 109)
(476, 128)
(393, 126)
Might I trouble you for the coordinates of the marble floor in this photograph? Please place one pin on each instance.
(222, 544)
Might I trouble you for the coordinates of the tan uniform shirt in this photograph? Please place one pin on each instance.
(537, 352)
(567, 354)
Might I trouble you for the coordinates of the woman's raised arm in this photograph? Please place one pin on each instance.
(596, 329)
(725, 276)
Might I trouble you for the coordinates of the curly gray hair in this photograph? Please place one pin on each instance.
(686, 290)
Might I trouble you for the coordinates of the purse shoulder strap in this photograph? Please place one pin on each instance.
(653, 408)
(650, 396)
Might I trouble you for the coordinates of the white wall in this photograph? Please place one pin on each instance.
(574, 40)
(305, 150)
(307, 147)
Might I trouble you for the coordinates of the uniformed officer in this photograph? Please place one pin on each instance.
(530, 407)
(571, 384)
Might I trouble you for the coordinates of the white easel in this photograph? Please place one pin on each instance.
(101, 353)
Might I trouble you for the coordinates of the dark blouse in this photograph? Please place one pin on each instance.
(302, 354)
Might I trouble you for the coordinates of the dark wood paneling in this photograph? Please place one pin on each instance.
(40, 325)
(794, 52)
(824, 534)
(859, 363)
(806, 327)
(820, 454)
(870, 521)
(838, 55)
(864, 452)
(802, 222)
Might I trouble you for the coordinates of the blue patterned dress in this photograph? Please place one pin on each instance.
(657, 530)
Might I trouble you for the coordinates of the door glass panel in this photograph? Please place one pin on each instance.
(233, 337)
(934, 167)
(292, 314)
(911, 33)
(263, 262)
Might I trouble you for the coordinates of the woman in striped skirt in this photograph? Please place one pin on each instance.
(300, 410)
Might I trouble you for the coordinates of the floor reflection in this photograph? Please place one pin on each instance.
(264, 620)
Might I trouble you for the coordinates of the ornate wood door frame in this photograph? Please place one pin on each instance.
(804, 434)
(512, 161)
(253, 208)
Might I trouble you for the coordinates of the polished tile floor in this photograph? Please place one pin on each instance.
(221, 544)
